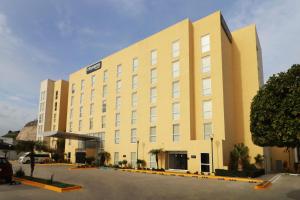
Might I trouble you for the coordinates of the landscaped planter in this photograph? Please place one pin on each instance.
(45, 184)
(248, 173)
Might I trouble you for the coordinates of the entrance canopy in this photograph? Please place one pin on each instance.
(67, 135)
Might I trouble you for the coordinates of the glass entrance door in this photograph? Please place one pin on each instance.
(178, 161)
(205, 165)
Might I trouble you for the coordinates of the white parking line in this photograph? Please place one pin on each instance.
(275, 178)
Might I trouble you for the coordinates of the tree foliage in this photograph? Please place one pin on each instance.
(275, 111)
(156, 152)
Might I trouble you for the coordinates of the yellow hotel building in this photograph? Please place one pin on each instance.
(186, 89)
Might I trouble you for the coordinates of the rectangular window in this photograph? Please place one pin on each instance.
(153, 76)
(81, 98)
(133, 159)
(82, 86)
(70, 126)
(104, 91)
(79, 125)
(205, 43)
(56, 94)
(116, 158)
(54, 118)
(72, 100)
(207, 110)
(118, 87)
(153, 95)
(42, 107)
(71, 114)
(176, 133)
(135, 64)
(104, 106)
(91, 109)
(80, 111)
(176, 111)
(53, 127)
(205, 166)
(92, 95)
(206, 86)
(175, 89)
(206, 64)
(153, 114)
(103, 121)
(73, 88)
(133, 136)
(153, 57)
(153, 134)
(134, 82)
(118, 103)
(117, 137)
(119, 71)
(91, 123)
(93, 81)
(117, 120)
(152, 162)
(133, 117)
(55, 106)
(175, 69)
(134, 100)
(105, 76)
(42, 95)
(102, 140)
(175, 49)
(207, 131)
(41, 118)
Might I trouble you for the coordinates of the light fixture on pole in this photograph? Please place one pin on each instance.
(212, 152)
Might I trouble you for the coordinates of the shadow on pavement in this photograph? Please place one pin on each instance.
(295, 194)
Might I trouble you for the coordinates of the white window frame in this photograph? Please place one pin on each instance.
(134, 82)
(205, 43)
(118, 86)
(206, 64)
(133, 135)
(116, 158)
(175, 49)
(176, 69)
(207, 109)
(207, 131)
(152, 136)
(104, 91)
(119, 71)
(92, 95)
(117, 137)
(206, 86)
(176, 111)
(118, 103)
(103, 121)
(82, 85)
(117, 120)
(133, 117)
(153, 74)
(176, 135)
(176, 89)
(93, 81)
(80, 111)
(134, 100)
(135, 64)
(153, 95)
(153, 114)
(153, 57)
(105, 76)
(80, 125)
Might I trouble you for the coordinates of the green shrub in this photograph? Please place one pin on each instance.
(89, 160)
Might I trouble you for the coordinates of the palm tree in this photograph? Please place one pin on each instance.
(156, 152)
(104, 157)
(240, 156)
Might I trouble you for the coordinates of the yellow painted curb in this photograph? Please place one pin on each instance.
(47, 187)
(56, 164)
(77, 168)
(224, 178)
(263, 185)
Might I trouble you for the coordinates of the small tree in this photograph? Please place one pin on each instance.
(156, 152)
(141, 163)
(239, 157)
(259, 160)
(104, 157)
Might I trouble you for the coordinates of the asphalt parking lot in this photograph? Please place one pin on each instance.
(111, 184)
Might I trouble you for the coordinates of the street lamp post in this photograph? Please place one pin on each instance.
(212, 152)
(137, 151)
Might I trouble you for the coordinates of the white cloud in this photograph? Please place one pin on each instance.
(278, 29)
(22, 66)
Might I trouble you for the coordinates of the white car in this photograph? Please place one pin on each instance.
(38, 157)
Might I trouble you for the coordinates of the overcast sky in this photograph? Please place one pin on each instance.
(51, 39)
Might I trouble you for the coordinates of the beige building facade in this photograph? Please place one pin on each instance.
(186, 89)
